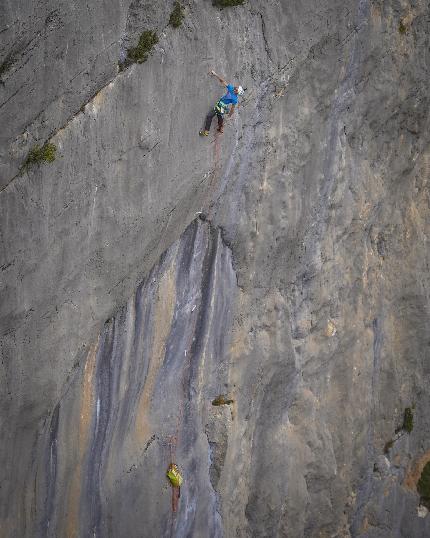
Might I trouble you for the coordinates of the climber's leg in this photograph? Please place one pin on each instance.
(220, 118)
(209, 119)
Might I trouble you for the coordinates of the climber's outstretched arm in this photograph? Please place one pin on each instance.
(222, 81)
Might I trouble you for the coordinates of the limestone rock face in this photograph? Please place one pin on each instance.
(141, 400)
(298, 301)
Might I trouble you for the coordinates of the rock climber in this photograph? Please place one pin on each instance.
(222, 106)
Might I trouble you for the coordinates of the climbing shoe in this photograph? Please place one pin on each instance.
(204, 133)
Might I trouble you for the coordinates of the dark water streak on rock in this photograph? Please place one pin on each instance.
(51, 460)
(91, 500)
(195, 352)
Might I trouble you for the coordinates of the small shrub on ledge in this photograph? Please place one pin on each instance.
(423, 485)
(177, 15)
(227, 3)
(402, 27)
(6, 65)
(222, 400)
(38, 155)
(408, 420)
(406, 427)
(139, 54)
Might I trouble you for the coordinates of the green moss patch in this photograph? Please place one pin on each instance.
(423, 486)
(222, 400)
(408, 420)
(402, 28)
(227, 3)
(6, 65)
(177, 15)
(406, 427)
(388, 446)
(140, 53)
(38, 155)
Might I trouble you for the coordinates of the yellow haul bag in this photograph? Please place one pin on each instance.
(174, 475)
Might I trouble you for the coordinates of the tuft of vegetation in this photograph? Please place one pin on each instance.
(388, 446)
(407, 426)
(140, 53)
(177, 15)
(222, 400)
(423, 486)
(408, 420)
(6, 65)
(38, 155)
(402, 27)
(227, 3)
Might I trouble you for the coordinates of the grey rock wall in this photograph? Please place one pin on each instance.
(310, 276)
(142, 399)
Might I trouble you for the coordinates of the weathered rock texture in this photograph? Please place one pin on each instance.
(303, 296)
(143, 398)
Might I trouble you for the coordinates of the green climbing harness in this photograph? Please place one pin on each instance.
(221, 107)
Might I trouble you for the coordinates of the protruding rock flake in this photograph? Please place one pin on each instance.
(422, 511)
(330, 328)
